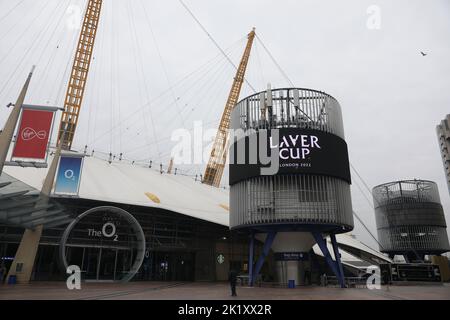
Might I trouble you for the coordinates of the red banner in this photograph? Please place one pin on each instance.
(33, 135)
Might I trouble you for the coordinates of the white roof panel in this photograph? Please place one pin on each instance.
(125, 183)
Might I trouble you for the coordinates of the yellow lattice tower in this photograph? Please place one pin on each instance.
(78, 77)
(216, 164)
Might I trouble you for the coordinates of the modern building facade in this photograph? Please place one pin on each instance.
(307, 196)
(177, 247)
(443, 134)
(410, 219)
(185, 225)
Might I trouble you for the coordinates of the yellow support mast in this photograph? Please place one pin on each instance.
(216, 164)
(78, 77)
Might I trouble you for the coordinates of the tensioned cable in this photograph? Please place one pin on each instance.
(53, 32)
(69, 62)
(96, 71)
(202, 67)
(39, 37)
(22, 59)
(367, 199)
(138, 59)
(177, 83)
(142, 163)
(112, 79)
(118, 90)
(201, 94)
(214, 41)
(11, 10)
(101, 66)
(168, 138)
(362, 180)
(155, 42)
(13, 25)
(214, 95)
(164, 93)
(207, 89)
(274, 61)
(258, 60)
(44, 71)
(360, 220)
(25, 32)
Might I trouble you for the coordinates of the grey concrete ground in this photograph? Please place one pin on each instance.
(213, 291)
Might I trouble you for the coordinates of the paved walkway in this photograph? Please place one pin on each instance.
(212, 291)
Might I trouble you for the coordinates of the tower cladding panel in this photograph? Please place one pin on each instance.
(305, 186)
(410, 219)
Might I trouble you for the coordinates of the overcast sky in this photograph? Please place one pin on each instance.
(155, 70)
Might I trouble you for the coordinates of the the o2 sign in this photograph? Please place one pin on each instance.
(108, 231)
(99, 227)
(112, 232)
(68, 177)
(69, 174)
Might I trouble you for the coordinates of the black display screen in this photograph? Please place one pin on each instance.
(300, 151)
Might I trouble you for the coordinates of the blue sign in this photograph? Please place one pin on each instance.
(68, 175)
(291, 256)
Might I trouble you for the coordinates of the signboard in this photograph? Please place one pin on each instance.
(300, 151)
(291, 256)
(33, 134)
(69, 175)
(220, 258)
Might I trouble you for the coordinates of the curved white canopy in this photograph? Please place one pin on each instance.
(122, 182)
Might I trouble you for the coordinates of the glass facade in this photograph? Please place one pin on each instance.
(178, 247)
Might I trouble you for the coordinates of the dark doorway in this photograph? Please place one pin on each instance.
(169, 266)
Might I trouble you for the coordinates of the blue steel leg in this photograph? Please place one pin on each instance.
(267, 244)
(337, 257)
(250, 259)
(323, 247)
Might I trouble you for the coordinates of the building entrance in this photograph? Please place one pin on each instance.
(100, 263)
(169, 266)
(106, 243)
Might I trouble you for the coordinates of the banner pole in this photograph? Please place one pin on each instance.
(8, 131)
(26, 252)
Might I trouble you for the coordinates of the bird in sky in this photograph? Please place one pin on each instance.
(423, 53)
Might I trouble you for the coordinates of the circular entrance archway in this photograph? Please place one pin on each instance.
(110, 229)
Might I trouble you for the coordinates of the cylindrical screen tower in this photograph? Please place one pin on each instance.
(300, 193)
(410, 219)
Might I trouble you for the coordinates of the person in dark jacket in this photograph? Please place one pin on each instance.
(232, 278)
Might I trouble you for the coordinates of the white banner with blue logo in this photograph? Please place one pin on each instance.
(68, 176)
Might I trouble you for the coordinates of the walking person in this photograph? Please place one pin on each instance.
(232, 278)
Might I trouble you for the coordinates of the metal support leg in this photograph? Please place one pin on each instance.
(337, 257)
(250, 259)
(267, 244)
(333, 265)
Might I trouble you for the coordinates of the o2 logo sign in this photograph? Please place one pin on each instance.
(108, 231)
(69, 174)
